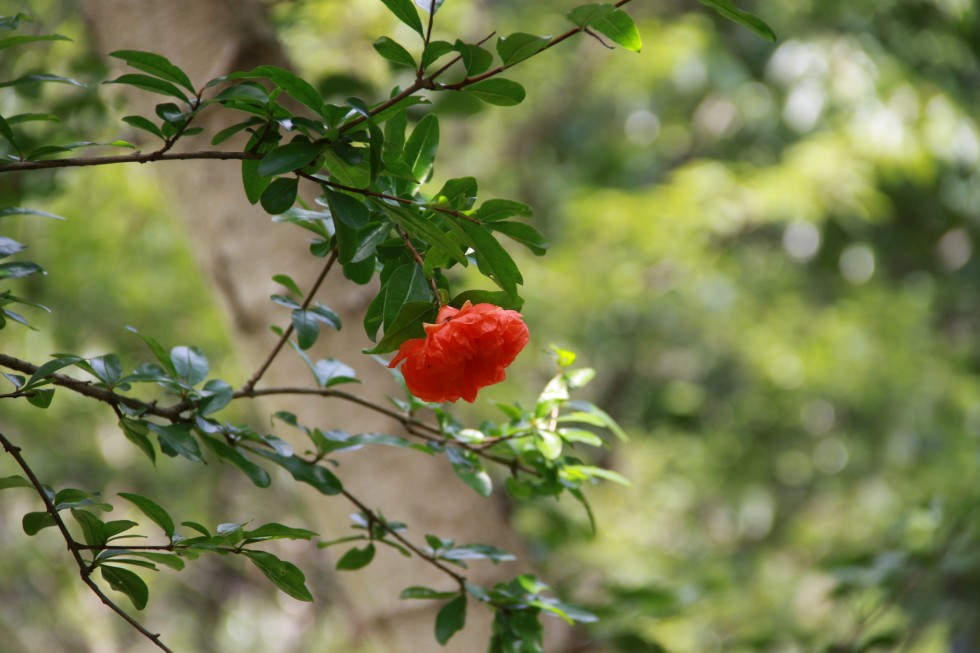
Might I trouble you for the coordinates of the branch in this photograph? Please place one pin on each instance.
(152, 157)
(289, 329)
(83, 569)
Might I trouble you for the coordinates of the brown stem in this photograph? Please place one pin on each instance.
(20, 166)
(75, 548)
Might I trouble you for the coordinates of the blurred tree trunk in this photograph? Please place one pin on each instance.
(239, 250)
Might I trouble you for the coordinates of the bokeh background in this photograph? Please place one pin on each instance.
(766, 251)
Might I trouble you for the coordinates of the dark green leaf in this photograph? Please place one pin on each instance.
(619, 26)
(435, 51)
(405, 11)
(475, 59)
(499, 263)
(495, 297)
(316, 475)
(93, 530)
(190, 364)
(215, 395)
(156, 65)
(421, 147)
(418, 592)
(495, 210)
(169, 559)
(306, 327)
(117, 526)
(125, 581)
(107, 368)
(728, 9)
(394, 52)
(35, 521)
(8, 134)
(41, 398)
(368, 241)
(254, 183)
(284, 575)
(19, 269)
(223, 450)
(152, 510)
(136, 432)
(289, 82)
(13, 210)
(352, 212)
(280, 195)
(356, 558)
(152, 84)
(425, 228)
(178, 439)
(451, 619)
(460, 193)
(158, 351)
(49, 368)
(519, 46)
(498, 91)
(287, 281)
(274, 531)
(40, 78)
(228, 132)
(408, 324)
(523, 233)
(287, 158)
(142, 123)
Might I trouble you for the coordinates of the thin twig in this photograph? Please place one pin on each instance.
(418, 259)
(289, 329)
(84, 570)
(138, 157)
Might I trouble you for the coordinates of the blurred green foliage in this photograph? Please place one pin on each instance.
(766, 250)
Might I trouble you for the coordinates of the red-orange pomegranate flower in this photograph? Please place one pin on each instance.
(465, 350)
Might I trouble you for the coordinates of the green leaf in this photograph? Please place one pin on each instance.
(49, 368)
(274, 531)
(451, 619)
(254, 183)
(40, 78)
(475, 59)
(8, 134)
(142, 123)
(158, 351)
(93, 529)
(495, 297)
(169, 559)
(408, 324)
(19, 269)
(10, 246)
(435, 51)
(152, 84)
(421, 147)
(7, 482)
(587, 14)
(20, 40)
(125, 581)
(190, 364)
(498, 262)
(152, 510)
(223, 450)
(316, 475)
(419, 592)
(406, 284)
(619, 26)
(523, 233)
(602, 415)
(468, 467)
(406, 13)
(460, 193)
(13, 210)
(306, 327)
(330, 372)
(284, 575)
(35, 521)
(519, 46)
(287, 282)
(118, 526)
(498, 91)
(299, 88)
(156, 65)
(107, 368)
(280, 195)
(496, 210)
(425, 228)
(41, 398)
(13, 22)
(289, 157)
(728, 9)
(356, 558)
(177, 440)
(349, 210)
(394, 52)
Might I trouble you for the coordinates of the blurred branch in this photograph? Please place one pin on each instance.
(84, 570)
